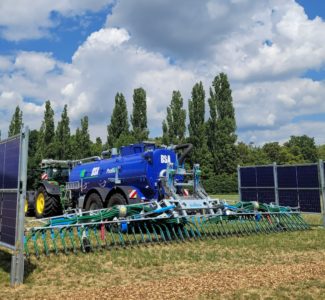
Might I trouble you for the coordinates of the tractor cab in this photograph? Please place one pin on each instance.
(55, 170)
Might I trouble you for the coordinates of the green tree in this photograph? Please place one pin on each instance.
(321, 152)
(83, 139)
(221, 126)
(33, 162)
(97, 147)
(139, 115)
(175, 120)
(46, 139)
(196, 126)
(165, 137)
(279, 154)
(16, 123)
(63, 143)
(119, 121)
(303, 148)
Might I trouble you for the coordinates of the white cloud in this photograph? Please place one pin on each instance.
(263, 46)
(284, 132)
(23, 19)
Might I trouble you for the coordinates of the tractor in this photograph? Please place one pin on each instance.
(50, 196)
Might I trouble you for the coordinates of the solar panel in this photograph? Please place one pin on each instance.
(288, 198)
(287, 177)
(248, 194)
(248, 177)
(307, 176)
(309, 201)
(266, 195)
(9, 177)
(265, 176)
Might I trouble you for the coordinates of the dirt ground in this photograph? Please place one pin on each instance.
(275, 266)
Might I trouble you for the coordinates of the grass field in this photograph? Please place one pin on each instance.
(275, 266)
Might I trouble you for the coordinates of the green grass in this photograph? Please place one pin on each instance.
(274, 266)
(227, 197)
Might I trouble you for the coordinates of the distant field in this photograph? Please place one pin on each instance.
(228, 197)
(275, 266)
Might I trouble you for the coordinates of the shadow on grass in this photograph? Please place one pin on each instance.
(5, 264)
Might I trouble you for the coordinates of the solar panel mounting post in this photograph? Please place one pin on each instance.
(239, 183)
(276, 187)
(17, 260)
(322, 190)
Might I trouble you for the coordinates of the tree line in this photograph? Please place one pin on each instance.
(215, 143)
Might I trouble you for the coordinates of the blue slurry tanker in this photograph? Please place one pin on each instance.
(139, 173)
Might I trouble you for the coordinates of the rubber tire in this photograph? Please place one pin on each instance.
(30, 209)
(94, 202)
(52, 204)
(116, 199)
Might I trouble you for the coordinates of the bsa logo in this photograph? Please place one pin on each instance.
(164, 159)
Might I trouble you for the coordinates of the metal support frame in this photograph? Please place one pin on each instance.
(276, 187)
(239, 183)
(322, 188)
(17, 260)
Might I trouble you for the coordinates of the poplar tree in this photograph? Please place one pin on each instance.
(175, 120)
(119, 124)
(83, 140)
(139, 115)
(16, 123)
(46, 138)
(165, 137)
(63, 136)
(196, 127)
(222, 126)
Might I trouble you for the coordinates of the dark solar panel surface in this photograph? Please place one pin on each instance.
(248, 177)
(298, 186)
(266, 195)
(249, 194)
(9, 170)
(287, 177)
(265, 177)
(309, 201)
(307, 176)
(288, 198)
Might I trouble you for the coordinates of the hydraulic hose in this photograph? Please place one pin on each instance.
(188, 148)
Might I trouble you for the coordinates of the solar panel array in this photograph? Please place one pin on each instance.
(257, 184)
(9, 174)
(297, 185)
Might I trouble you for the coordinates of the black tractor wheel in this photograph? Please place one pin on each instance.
(116, 199)
(94, 202)
(29, 210)
(30, 204)
(46, 205)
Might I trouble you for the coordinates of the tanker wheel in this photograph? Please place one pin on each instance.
(46, 205)
(116, 199)
(94, 202)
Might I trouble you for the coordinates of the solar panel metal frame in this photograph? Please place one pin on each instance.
(10, 191)
(296, 186)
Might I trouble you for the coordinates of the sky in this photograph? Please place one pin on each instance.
(82, 52)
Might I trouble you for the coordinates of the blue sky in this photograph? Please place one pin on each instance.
(83, 52)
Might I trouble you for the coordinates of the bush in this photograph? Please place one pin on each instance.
(221, 184)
